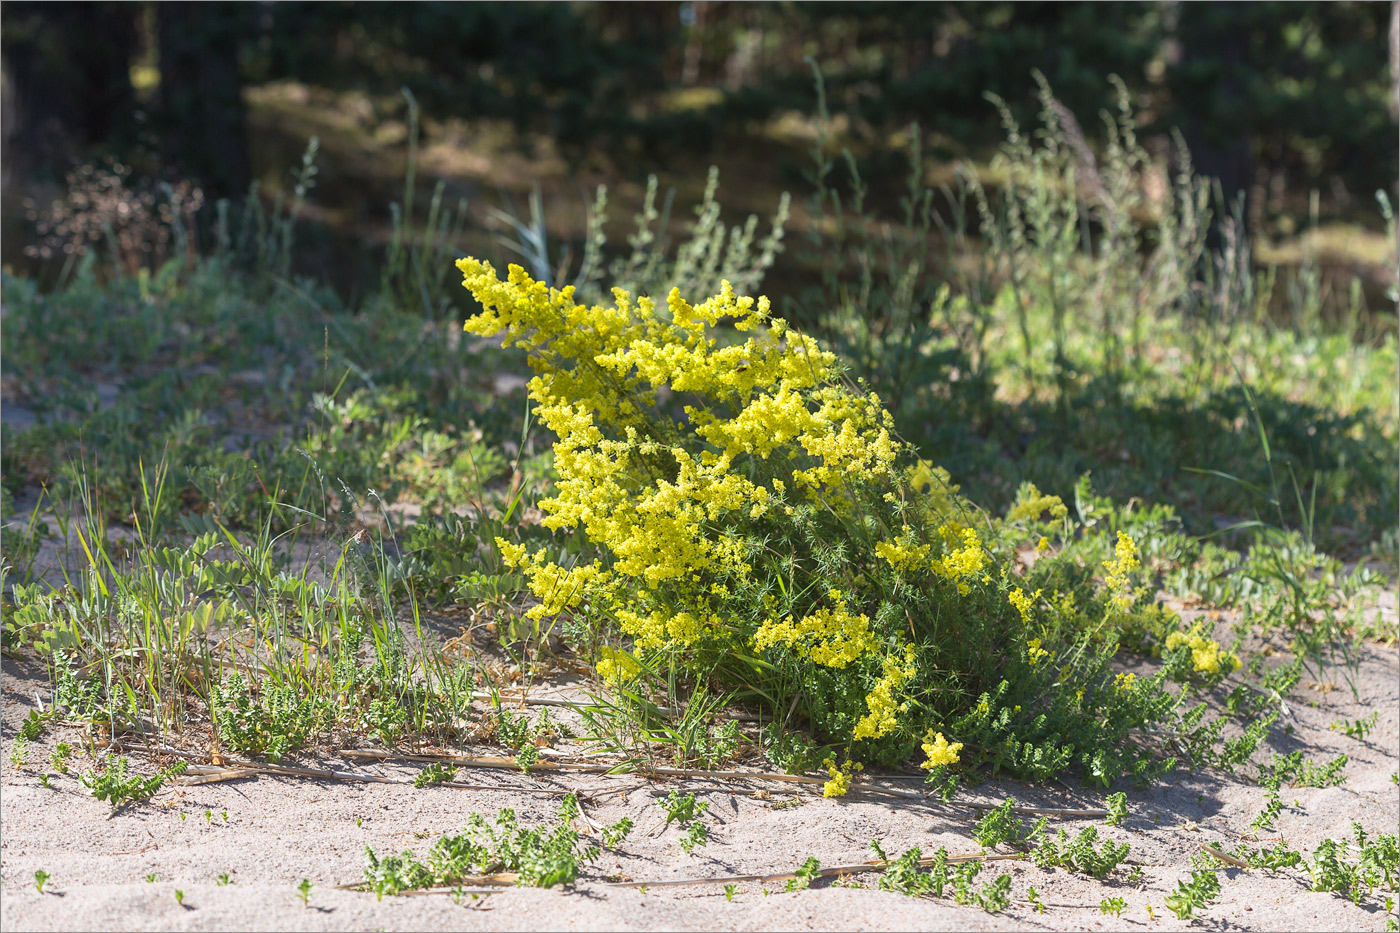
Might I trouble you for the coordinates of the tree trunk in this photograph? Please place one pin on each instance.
(201, 93)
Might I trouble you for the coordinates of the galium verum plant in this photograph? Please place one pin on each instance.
(752, 521)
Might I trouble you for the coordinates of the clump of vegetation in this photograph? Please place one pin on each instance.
(117, 785)
(760, 528)
(279, 720)
(685, 810)
(540, 857)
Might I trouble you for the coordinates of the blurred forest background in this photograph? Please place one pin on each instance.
(1292, 106)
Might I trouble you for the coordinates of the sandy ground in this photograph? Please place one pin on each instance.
(281, 830)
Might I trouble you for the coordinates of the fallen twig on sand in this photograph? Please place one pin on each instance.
(877, 865)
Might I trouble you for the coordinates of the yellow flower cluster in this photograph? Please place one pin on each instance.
(659, 496)
(1124, 682)
(1117, 571)
(1022, 602)
(882, 719)
(557, 588)
(829, 637)
(1034, 653)
(617, 667)
(1206, 654)
(840, 777)
(905, 554)
(964, 558)
(939, 752)
(1031, 504)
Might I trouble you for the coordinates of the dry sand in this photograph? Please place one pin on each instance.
(281, 830)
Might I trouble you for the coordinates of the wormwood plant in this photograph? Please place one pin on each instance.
(752, 521)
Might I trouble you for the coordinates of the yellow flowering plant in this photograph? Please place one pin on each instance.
(752, 522)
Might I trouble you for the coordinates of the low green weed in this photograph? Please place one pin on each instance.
(804, 876)
(19, 752)
(682, 808)
(1356, 728)
(996, 895)
(904, 876)
(117, 786)
(1112, 906)
(435, 773)
(998, 826)
(305, 890)
(696, 834)
(1117, 809)
(33, 726)
(1277, 858)
(277, 721)
(1374, 868)
(1078, 854)
(1196, 894)
(542, 857)
(688, 812)
(1293, 770)
(41, 878)
(59, 758)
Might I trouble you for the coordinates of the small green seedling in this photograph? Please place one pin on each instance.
(682, 808)
(1117, 809)
(152, 878)
(696, 835)
(435, 773)
(224, 814)
(180, 897)
(1113, 906)
(33, 726)
(44, 781)
(1356, 728)
(1193, 895)
(729, 890)
(60, 757)
(803, 877)
(17, 752)
(1034, 897)
(225, 879)
(305, 891)
(41, 878)
(208, 817)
